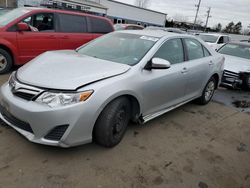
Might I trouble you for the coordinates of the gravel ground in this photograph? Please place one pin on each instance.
(190, 147)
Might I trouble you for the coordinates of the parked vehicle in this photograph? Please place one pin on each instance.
(28, 32)
(168, 29)
(215, 40)
(128, 27)
(3, 11)
(246, 40)
(71, 97)
(237, 65)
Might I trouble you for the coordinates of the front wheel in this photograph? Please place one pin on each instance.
(112, 123)
(208, 92)
(246, 83)
(5, 61)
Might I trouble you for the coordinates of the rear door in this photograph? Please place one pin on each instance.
(41, 37)
(199, 66)
(72, 31)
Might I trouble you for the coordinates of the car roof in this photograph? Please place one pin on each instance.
(129, 25)
(154, 33)
(37, 9)
(214, 34)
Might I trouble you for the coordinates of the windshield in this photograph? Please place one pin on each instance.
(12, 15)
(119, 47)
(209, 38)
(237, 50)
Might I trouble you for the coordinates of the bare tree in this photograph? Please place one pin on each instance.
(142, 3)
(180, 18)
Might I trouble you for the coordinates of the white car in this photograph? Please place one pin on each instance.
(237, 65)
(215, 40)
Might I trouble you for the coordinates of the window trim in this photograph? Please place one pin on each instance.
(31, 15)
(59, 23)
(186, 50)
(183, 49)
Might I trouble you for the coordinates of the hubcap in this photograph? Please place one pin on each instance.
(119, 123)
(209, 90)
(3, 62)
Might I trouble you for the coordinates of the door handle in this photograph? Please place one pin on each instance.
(52, 37)
(65, 37)
(184, 70)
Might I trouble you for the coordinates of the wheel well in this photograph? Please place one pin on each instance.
(135, 106)
(216, 77)
(8, 50)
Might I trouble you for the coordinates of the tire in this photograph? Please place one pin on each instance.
(111, 124)
(208, 92)
(5, 61)
(246, 83)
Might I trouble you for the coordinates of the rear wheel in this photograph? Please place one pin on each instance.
(208, 92)
(5, 61)
(112, 123)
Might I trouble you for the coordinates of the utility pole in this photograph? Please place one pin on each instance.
(197, 11)
(208, 16)
(6, 3)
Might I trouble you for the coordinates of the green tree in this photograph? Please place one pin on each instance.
(237, 28)
(218, 27)
(229, 28)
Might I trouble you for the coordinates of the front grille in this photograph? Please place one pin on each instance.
(23, 91)
(230, 74)
(23, 95)
(15, 121)
(57, 133)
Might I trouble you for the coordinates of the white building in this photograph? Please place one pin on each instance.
(118, 12)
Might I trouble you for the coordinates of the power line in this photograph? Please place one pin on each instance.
(197, 11)
(208, 16)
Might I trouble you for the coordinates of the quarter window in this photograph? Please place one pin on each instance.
(172, 51)
(100, 26)
(194, 49)
(72, 23)
(206, 52)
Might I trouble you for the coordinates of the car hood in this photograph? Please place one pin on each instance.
(67, 70)
(236, 64)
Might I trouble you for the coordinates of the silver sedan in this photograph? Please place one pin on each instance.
(67, 98)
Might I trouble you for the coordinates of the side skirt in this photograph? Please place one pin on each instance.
(145, 119)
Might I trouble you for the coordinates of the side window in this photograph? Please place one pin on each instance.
(194, 49)
(206, 52)
(226, 39)
(220, 41)
(171, 50)
(40, 22)
(72, 23)
(100, 25)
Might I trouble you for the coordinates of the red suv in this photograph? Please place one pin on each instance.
(28, 32)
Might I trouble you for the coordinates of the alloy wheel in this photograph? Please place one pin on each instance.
(3, 62)
(209, 90)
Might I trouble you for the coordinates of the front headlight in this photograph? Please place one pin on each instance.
(54, 99)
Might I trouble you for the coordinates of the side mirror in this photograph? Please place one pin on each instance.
(158, 63)
(23, 26)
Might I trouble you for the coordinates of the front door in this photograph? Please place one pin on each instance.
(165, 88)
(39, 39)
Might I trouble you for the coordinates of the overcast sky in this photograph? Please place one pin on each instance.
(222, 11)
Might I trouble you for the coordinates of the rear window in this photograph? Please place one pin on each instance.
(72, 23)
(100, 25)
